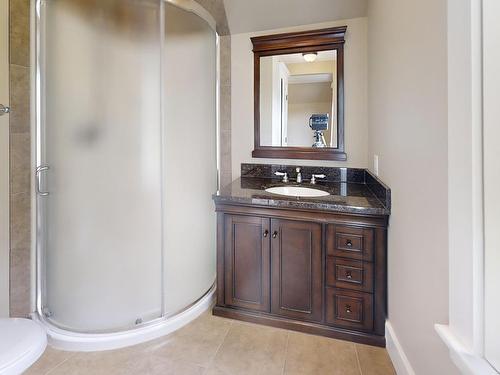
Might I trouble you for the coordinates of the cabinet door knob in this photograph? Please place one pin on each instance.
(348, 275)
(266, 233)
(348, 309)
(349, 243)
(275, 234)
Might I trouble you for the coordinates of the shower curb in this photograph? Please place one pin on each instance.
(85, 342)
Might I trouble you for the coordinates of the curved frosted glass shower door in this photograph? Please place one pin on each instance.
(190, 77)
(100, 136)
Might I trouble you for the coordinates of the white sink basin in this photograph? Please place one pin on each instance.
(297, 191)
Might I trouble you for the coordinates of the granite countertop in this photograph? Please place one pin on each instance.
(355, 191)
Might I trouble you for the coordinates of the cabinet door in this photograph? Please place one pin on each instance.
(296, 275)
(247, 262)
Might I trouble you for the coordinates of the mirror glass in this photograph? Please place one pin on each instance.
(298, 100)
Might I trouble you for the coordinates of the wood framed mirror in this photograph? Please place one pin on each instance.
(299, 95)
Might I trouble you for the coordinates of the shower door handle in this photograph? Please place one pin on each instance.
(39, 171)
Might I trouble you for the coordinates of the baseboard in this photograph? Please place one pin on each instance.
(396, 352)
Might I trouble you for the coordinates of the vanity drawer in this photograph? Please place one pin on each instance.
(349, 309)
(350, 242)
(349, 274)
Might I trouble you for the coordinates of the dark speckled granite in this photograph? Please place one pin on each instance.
(351, 190)
(378, 188)
(351, 175)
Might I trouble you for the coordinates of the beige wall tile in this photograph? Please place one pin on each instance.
(20, 160)
(225, 178)
(225, 135)
(218, 12)
(19, 32)
(225, 60)
(225, 142)
(225, 108)
(19, 19)
(19, 99)
(20, 282)
(20, 221)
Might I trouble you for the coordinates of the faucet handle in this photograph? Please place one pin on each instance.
(315, 176)
(299, 175)
(282, 174)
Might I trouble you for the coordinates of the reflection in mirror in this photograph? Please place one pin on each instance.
(293, 88)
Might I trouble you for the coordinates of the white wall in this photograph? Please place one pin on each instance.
(492, 181)
(355, 75)
(251, 15)
(267, 100)
(464, 175)
(299, 132)
(407, 44)
(460, 151)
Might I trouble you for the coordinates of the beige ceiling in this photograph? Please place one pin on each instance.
(257, 15)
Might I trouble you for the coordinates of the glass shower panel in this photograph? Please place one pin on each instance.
(101, 106)
(190, 150)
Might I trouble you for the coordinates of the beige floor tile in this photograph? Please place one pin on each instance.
(123, 362)
(374, 361)
(50, 359)
(308, 355)
(251, 349)
(160, 366)
(196, 343)
(217, 346)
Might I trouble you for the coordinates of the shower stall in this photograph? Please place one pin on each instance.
(126, 163)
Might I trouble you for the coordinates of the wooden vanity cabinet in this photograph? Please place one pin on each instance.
(316, 272)
(247, 262)
(296, 265)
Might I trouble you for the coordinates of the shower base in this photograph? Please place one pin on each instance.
(86, 342)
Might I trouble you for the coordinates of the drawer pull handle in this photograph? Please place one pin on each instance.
(266, 233)
(348, 309)
(348, 275)
(275, 234)
(348, 243)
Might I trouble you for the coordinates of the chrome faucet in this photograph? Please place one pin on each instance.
(282, 174)
(299, 175)
(315, 176)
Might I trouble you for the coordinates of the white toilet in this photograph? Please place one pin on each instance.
(22, 342)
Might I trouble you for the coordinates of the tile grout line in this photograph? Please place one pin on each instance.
(357, 359)
(209, 364)
(61, 363)
(286, 352)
